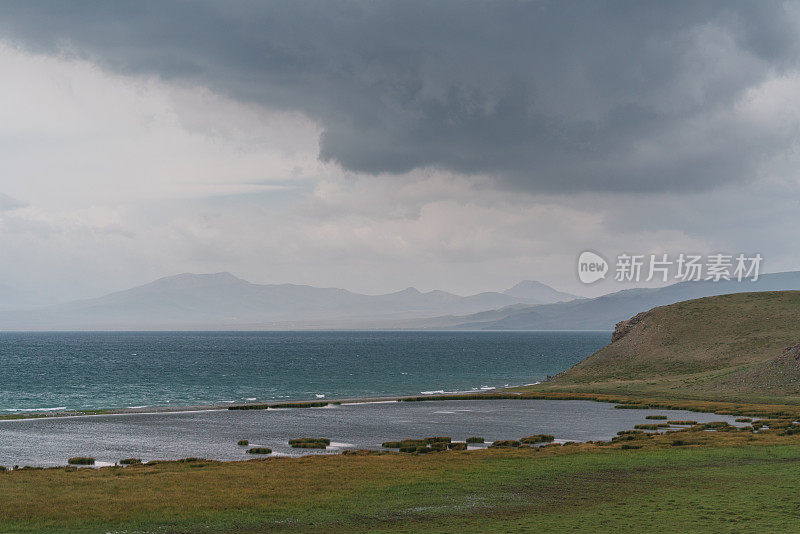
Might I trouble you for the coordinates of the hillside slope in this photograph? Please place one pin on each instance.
(730, 346)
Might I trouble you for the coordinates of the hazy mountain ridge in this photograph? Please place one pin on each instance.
(224, 301)
(602, 313)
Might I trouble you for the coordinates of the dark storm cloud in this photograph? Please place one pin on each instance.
(543, 96)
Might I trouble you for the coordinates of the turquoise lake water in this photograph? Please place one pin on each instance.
(112, 370)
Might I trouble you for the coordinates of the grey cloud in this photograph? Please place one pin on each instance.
(542, 96)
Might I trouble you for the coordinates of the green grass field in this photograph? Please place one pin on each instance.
(727, 482)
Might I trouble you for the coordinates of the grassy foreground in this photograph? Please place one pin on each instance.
(713, 482)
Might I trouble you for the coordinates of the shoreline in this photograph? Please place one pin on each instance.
(721, 407)
(40, 413)
(152, 410)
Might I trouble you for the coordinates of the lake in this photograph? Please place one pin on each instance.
(86, 370)
(214, 434)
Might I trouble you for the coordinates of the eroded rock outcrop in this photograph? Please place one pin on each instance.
(623, 327)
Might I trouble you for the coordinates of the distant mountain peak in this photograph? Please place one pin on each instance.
(539, 292)
(409, 291)
(198, 280)
(528, 284)
(224, 275)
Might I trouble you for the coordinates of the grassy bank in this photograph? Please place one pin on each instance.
(712, 481)
(730, 348)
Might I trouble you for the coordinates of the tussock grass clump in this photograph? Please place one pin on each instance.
(679, 442)
(439, 446)
(792, 430)
(81, 460)
(654, 426)
(504, 444)
(3, 468)
(686, 423)
(243, 442)
(414, 448)
(190, 460)
(259, 450)
(413, 442)
(629, 446)
(130, 461)
(298, 441)
(279, 405)
(299, 405)
(391, 444)
(743, 420)
(475, 439)
(777, 423)
(438, 440)
(636, 434)
(457, 446)
(309, 445)
(625, 432)
(655, 417)
(537, 438)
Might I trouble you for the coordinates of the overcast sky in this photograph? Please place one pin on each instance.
(376, 145)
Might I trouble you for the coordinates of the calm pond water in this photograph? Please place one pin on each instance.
(213, 434)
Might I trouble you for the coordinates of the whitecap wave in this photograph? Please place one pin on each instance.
(56, 409)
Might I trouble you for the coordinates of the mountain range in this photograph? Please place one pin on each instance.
(224, 301)
(602, 313)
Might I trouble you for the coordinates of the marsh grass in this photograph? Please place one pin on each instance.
(475, 439)
(130, 461)
(655, 417)
(506, 443)
(243, 442)
(537, 438)
(654, 426)
(310, 404)
(81, 460)
(746, 475)
(310, 443)
(438, 440)
(259, 450)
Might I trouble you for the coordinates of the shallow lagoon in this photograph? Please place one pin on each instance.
(214, 434)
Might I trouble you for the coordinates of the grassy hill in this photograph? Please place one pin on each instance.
(733, 347)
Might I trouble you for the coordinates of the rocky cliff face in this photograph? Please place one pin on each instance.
(623, 327)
